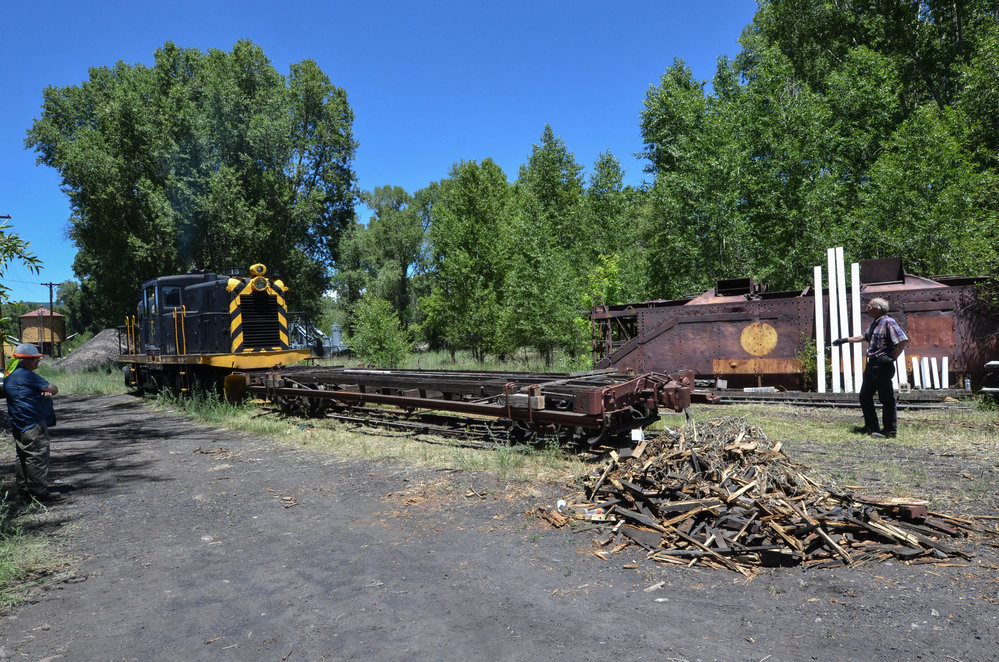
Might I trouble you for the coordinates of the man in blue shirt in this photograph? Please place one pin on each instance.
(29, 406)
(886, 341)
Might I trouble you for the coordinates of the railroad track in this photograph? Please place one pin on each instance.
(430, 427)
(915, 400)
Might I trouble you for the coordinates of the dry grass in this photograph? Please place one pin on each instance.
(513, 464)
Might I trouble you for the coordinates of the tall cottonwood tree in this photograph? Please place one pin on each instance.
(553, 247)
(862, 123)
(396, 237)
(468, 259)
(208, 160)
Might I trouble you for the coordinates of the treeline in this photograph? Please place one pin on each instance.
(871, 125)
(868, 124)
(478, 262)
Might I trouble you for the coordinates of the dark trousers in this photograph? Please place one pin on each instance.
(877, 379)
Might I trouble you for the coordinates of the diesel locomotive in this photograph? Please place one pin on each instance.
(196, 329)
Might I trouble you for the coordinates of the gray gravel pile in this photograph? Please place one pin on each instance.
(99, 351)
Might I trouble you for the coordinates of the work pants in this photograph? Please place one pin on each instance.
(32, 464)
(877, 379)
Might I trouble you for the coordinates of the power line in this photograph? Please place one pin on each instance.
(24, 282)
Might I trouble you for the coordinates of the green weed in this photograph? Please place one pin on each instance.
(24, 555)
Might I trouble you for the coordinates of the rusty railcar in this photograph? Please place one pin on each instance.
(591, 407)
(741, 333)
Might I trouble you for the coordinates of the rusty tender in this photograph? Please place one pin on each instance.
(591, 406)
(748, 336)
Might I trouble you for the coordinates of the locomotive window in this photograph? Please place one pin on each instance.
(151, 300)
(171, 297)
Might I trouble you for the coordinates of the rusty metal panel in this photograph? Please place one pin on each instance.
(756, 366)
(925, 332)
(588, 402)
(740, 316)
(923, 306)
(883, 270)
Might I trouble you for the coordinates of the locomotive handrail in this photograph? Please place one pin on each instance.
(180, 335)
(183, 325)
(176, 334)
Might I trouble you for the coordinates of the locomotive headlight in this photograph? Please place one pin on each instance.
(259, 284)
(258, 270)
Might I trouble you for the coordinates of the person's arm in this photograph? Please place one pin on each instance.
(900, 347)
(851, 339)
(47, 389)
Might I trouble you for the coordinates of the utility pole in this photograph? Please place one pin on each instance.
(3, 336)
(51, 324)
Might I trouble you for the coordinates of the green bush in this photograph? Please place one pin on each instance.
(378, 337)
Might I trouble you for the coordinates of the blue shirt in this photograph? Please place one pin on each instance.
(883, 334)
(24, 399)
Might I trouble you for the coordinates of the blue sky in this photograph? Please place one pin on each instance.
(430, 83)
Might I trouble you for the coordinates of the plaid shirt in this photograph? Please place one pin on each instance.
(883, 334)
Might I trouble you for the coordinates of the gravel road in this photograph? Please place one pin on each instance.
(190, 543)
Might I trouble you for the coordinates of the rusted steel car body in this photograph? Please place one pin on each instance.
(743, 334)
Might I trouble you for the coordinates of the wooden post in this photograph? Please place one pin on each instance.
(820, 337)
(834, 351)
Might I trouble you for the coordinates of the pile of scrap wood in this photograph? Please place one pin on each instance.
(720, 494)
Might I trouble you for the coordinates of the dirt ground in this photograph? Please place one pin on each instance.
(185, 543)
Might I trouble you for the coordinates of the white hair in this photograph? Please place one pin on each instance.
(879, 304)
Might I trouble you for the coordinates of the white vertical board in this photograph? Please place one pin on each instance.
(844, 326)
(833, 322)
(900, 371)
(858, 349)
(820, 335)
(924, 368)
(945, 372)
(916, 381)
(934, 372)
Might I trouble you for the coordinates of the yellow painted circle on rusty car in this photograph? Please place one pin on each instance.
(759, 338)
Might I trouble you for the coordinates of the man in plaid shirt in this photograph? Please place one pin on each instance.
(886, 341)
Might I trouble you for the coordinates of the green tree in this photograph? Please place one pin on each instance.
(979, 95)
(540, 293)
(378, 336)
(69, 298)
(928, 199)
(550, 187)
(14, 249)
(468, 259)
(693, 224)
(608, 207)
(552, 244)
(356, 269)
(211, 160)
(396, 236)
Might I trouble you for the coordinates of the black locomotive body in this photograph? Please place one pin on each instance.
(199, 327)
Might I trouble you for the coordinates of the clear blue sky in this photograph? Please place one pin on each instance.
(430, 83)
